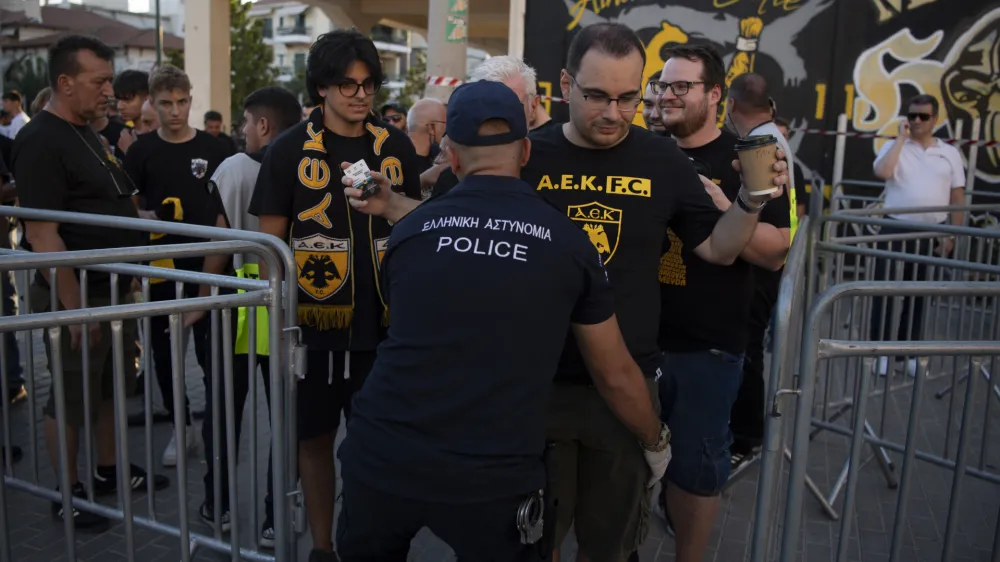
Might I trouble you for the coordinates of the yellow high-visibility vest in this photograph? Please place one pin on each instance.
(251, 271)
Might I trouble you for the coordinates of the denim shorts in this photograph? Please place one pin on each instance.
(697, 391)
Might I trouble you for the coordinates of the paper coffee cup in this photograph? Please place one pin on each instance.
(757, 156)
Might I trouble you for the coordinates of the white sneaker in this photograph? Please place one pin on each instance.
(881, 366)
(170, 453)
(911, 368)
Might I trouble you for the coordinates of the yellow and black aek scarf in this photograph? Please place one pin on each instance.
(327, 241)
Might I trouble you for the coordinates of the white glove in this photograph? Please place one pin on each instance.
(657, 464)
(658, 456)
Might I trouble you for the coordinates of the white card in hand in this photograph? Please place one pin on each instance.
(357, 171)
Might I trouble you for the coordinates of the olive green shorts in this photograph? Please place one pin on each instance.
(100, 359)
(597, 473)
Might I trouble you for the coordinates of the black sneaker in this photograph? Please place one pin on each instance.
(15, 455)
(106, 480)
(267, 534)
(81, 519)
(18, 394)
(318, 555)
(738, 461)
(207, 514)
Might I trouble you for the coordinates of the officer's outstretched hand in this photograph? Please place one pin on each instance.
(373, 205)
(657, 461)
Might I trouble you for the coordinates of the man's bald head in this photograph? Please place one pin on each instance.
(425, 112)
(751, 94)
(499, 160)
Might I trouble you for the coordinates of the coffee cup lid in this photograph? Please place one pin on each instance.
(755, 141)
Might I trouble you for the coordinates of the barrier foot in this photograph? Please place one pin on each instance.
(814, 490)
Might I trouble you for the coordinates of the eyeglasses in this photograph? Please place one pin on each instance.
(390, 118)
(350, 89)
(597, 100)
(918, 116)
(679, 88)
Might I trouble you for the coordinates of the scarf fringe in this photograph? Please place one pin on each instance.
(326, 317)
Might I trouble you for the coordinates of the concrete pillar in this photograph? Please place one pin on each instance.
(515, 29)
(206, 59)
(447, 39)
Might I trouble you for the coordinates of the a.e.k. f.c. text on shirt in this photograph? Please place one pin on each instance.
(624, 198)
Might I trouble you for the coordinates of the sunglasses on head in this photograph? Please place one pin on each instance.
(918, 116)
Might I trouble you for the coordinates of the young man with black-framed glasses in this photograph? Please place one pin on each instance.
(341, 305)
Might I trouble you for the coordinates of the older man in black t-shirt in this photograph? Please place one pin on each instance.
(705, 319)
(432, 441)
(61, 165)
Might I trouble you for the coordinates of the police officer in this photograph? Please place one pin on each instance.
(448, 431)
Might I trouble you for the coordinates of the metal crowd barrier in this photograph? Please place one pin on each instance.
(281, 306)
(855, 273)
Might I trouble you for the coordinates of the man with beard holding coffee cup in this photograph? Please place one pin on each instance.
(704, 355)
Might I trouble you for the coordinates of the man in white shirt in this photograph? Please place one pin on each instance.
(919, 171)
(12, 105)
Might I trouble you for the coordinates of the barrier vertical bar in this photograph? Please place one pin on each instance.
(251, 316)
(88, 405)
(8, 445)
(231, 445)
(839, 150)
(4, 527)
(124, 469)
(29, 377)
(910, 450)
(996, 542)
(961, 456)
(284, 536)
(8, 455)
(147, 381)
(180, 426)
(59, 389)
(857, 443)
(216, 460)
(970, 169)
(800, 440)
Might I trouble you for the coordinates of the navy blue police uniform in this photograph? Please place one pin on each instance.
(448, 431)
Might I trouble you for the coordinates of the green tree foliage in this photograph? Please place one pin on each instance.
(250, 58)
(28, 76)
(416, 80)
(174, 57)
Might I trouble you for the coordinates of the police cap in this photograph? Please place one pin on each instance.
(474, 103)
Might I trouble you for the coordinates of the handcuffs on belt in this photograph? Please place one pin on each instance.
(530, 518)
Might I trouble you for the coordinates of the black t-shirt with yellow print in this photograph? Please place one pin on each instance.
(624, 198)
(300, 179)
(713, 299)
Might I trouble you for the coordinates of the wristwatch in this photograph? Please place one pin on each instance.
(748, 207)
(661, 443)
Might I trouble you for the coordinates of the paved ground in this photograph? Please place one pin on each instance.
(37, 537)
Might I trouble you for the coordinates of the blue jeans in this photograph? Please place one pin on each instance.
(697, 391)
